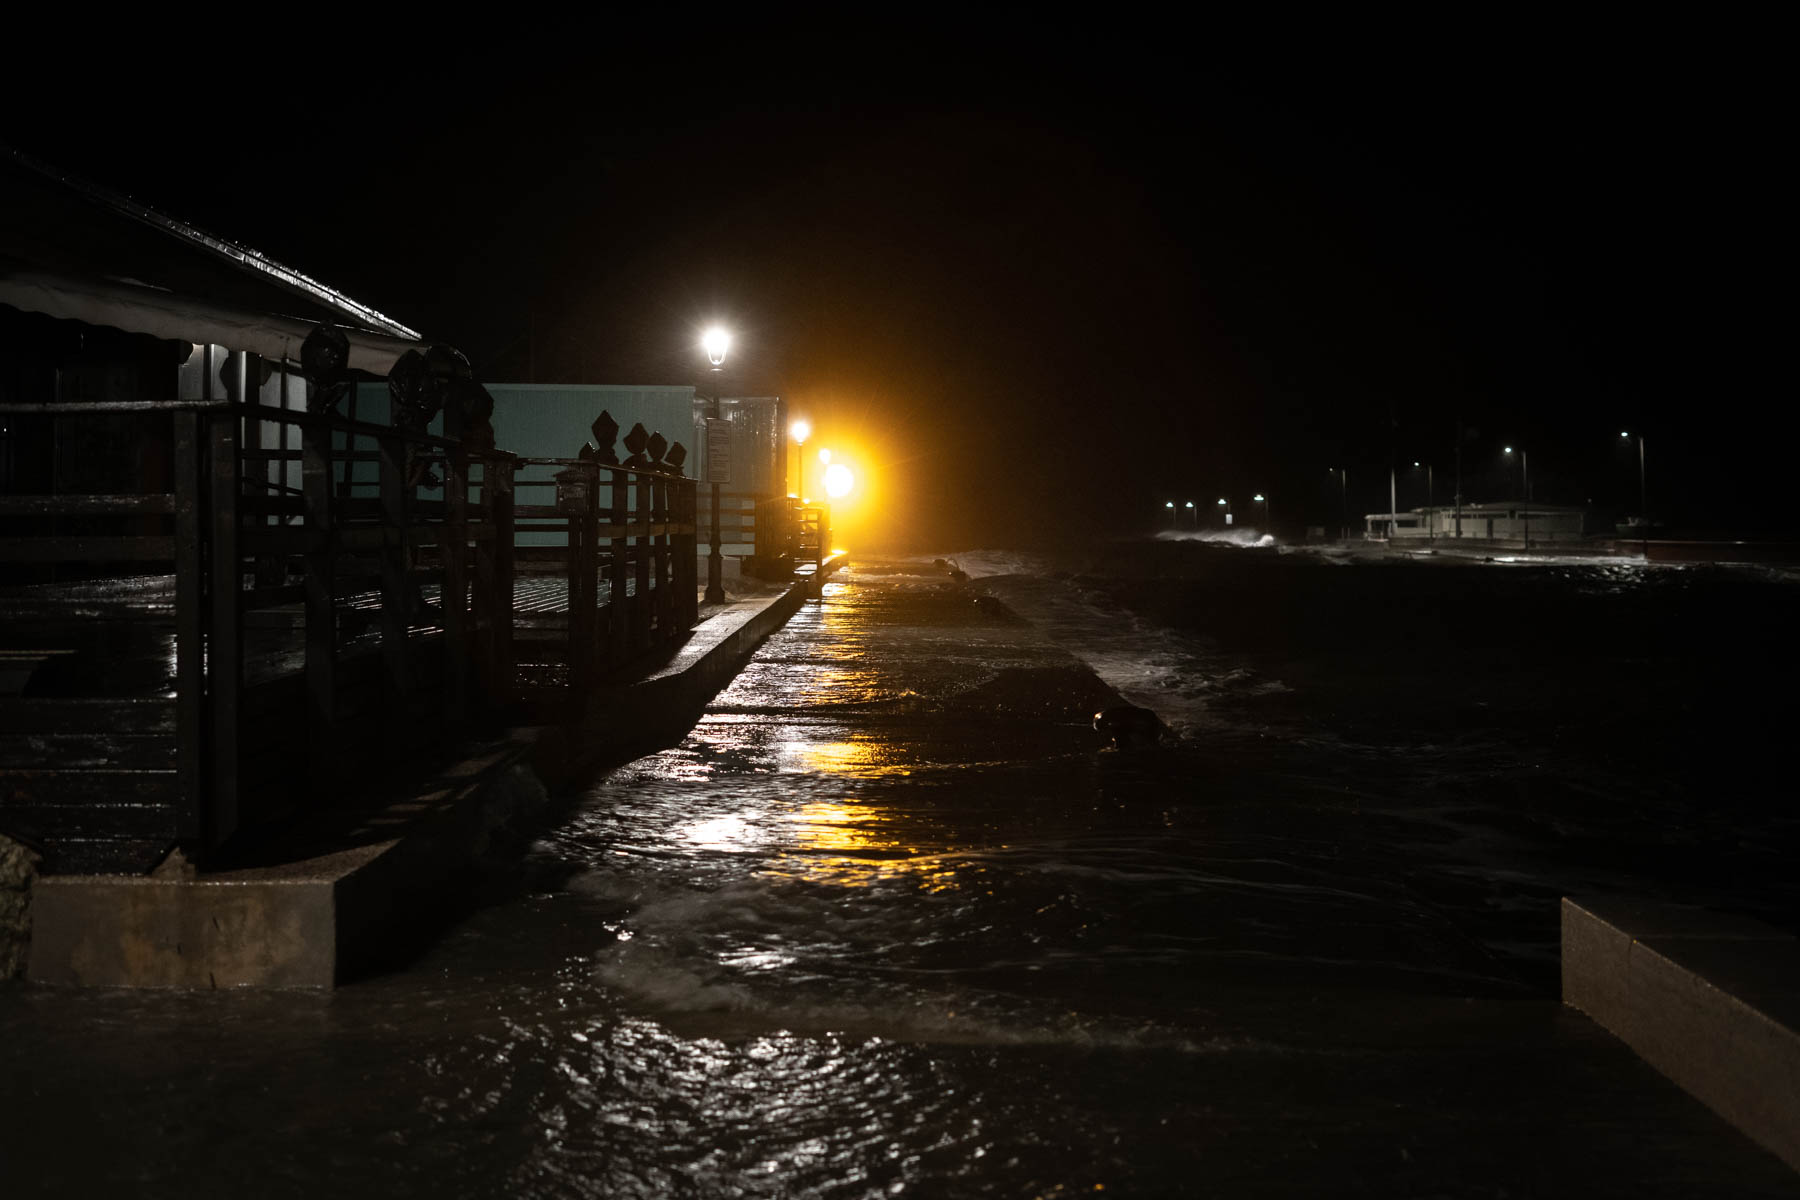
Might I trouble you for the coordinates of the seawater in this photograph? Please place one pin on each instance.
(890, 922)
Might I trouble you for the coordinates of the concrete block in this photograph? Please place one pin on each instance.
(240, 929)
(306, 923)
(1712, 1001)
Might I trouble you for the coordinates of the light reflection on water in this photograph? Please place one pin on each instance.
(852, 946)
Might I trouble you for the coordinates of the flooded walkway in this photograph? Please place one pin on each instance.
(891, 921)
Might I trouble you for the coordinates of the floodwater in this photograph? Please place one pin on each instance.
(893, 921)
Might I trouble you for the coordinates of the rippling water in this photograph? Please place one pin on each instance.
(892, 921)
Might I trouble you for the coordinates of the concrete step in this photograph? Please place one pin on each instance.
(1710, 1000)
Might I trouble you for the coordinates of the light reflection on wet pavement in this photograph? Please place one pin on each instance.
(891, 921)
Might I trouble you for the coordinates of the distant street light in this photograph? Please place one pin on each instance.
(1643, 491)
(1170, 505)
(1227, 508)
(1193, 515)
(1525, 485)
(1264, 501)
(716, 342)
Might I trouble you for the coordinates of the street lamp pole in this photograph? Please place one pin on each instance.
(1525, 487)
(1525, 467)
(1343, 474)
(1643, 493)
(1393, 506)
(1458, 498)
(716, 343)
(1643, 496)
(1430, 502)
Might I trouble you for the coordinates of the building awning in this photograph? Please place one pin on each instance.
(139, 308)
(73, 249)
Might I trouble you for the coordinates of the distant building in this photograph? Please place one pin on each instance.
(1501, 520)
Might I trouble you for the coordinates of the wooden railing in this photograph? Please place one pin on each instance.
(628, 562)
(325, 626)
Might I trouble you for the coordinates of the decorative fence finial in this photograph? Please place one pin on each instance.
(635, 441)
(606, 432)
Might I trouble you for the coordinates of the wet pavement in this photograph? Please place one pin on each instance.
(893, 920)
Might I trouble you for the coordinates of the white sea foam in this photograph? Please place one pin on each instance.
(1245, 537)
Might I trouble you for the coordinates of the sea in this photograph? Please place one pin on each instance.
(1307, 944)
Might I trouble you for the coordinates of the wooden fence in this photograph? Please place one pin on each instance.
(318, 616)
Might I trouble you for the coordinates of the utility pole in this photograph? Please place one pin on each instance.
(1525, 466)
(1459, 442)
(1393, 506)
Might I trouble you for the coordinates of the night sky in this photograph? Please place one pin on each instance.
(1042, 275)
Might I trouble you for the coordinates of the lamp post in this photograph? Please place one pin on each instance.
(1193, 515)
(716, 343)
(800, 431)
(1643, 492)
(1525, 486)
(1644, 495)
(1343, 474)
(1430, 501)
(1170, 505)
(1226, 509)
(1264, 501)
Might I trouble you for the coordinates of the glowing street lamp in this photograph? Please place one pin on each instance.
(716, 342)
(1193, 515)
(1226, 508)
(839, 479)
(1264, 501)
(1170, 505)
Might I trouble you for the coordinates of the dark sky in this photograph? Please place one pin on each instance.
(1041, 271)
